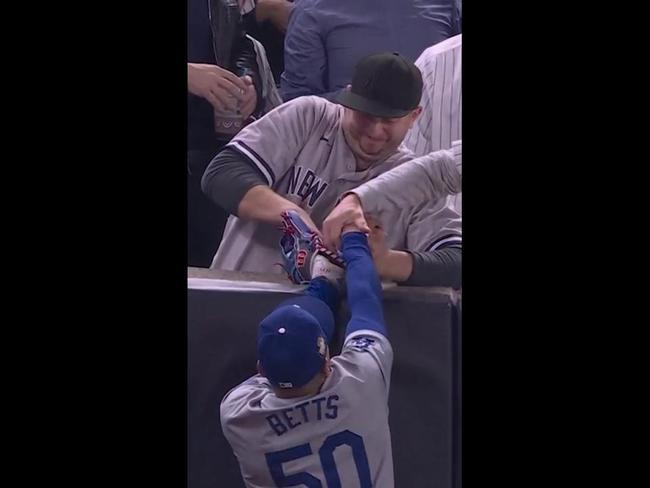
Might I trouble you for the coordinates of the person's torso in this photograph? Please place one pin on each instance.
(441, 120)
(200, 118)
(323, 169)
(352, 30)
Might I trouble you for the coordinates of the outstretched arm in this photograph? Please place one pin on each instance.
(429, 178)
(363, 286)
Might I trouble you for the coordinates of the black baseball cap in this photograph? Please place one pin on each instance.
(384, 85)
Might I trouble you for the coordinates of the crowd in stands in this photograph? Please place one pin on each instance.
(286, 112)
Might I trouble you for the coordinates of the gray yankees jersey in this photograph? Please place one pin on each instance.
(300, 149)
(411, 201)
(338, 437)
(442, 102)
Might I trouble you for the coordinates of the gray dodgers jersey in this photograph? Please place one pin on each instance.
(411, 203)
(341, 433)
(300, 149)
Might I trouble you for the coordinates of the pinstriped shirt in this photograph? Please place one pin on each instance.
(441, 122)
(441, 119)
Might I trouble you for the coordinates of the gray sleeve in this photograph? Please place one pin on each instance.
(428, 178)
(368, 354)
(228, 177)
(436, 268)
(434, 226)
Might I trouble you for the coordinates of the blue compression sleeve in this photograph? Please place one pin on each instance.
(322, 289)
(364, 287)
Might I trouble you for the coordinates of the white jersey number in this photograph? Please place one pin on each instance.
(326, 454)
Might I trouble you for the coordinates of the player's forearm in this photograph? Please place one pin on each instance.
(263, 204)
(363, 286)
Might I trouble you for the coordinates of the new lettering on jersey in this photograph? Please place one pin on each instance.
(310, 187)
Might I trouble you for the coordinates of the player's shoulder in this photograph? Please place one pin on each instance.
(366, 354)
(362, 343)
(248, 392)
(365, 340)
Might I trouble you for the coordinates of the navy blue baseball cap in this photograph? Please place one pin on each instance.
(291, 346)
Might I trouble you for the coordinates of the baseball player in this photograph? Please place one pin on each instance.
(304, 154)
(442, 101)
(423, 241)
(307, 419)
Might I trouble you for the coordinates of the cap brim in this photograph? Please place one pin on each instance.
(371, 107)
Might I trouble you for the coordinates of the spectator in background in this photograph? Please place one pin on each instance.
(266, 21)
(223, 73)
(417, 242)
(442, 102)
(326, 38)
